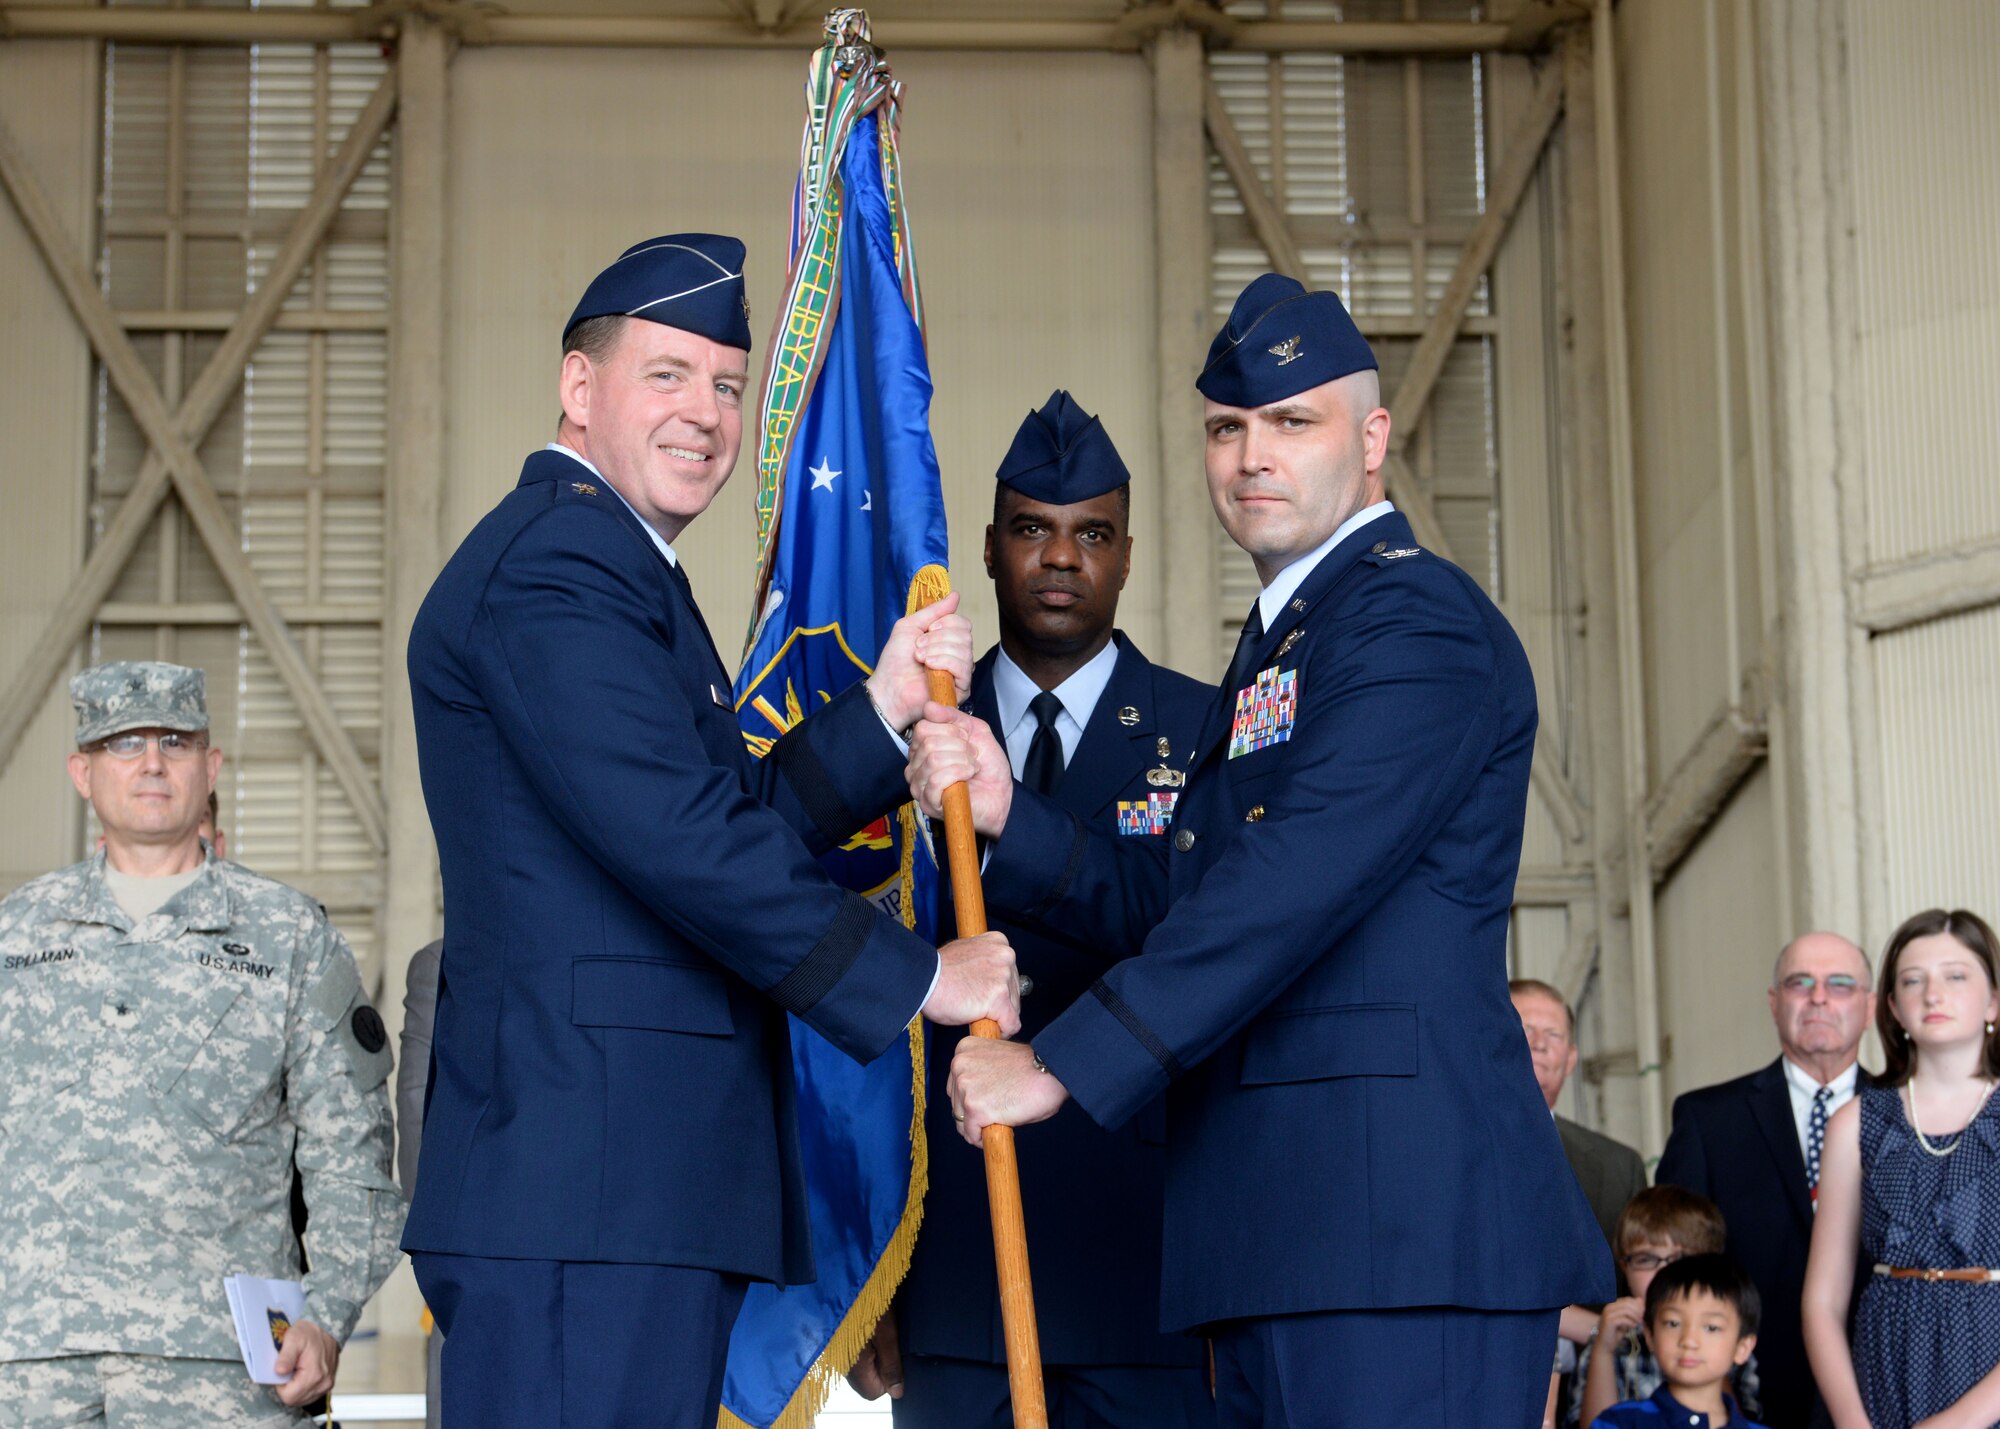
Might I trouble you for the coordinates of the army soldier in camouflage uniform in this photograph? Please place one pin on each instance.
(174, 1030)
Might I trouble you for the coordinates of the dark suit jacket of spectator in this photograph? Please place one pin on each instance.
(1738, 1144)
(1609, 1171)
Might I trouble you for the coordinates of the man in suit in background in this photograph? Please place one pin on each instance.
(1367, 1204)
(1103, 732)
(632, 904)
(1609, 1171)
(1752, 1147)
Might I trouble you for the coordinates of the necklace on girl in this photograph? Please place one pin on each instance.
(1910, 1107)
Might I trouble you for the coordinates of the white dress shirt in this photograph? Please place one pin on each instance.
(1293, 576)
(1803, 1088)
(1013, 691)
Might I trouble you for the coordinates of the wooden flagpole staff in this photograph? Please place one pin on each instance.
(1003, 1173)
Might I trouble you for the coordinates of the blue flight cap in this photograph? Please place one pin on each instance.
(1280, 340)
(1062, 455)
(692, 281)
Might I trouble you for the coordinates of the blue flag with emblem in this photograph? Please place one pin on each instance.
(851, 533)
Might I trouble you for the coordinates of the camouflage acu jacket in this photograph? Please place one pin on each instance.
(154, 1082)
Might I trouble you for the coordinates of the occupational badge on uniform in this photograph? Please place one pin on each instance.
(1264, 712)
(1291, 639)
(236, 950)
(1150, 815)
(1165, 778)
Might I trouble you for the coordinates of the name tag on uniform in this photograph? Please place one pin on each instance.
(1150, 815)
(1264, 712)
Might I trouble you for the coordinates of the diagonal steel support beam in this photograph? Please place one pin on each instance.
(173, 460)
(1517, 167)
(1267, 221)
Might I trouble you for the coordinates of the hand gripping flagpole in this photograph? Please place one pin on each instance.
(1003, 1171)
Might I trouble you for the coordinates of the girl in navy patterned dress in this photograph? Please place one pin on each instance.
(1909, 1199)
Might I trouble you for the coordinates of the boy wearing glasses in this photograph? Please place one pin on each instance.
(1659, 1227)
(1753, 1146)
(176, 1032)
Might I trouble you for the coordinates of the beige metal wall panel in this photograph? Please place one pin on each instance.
(1029, 184)
(1720, 927)
(49, 101)
(1671, 272)
(1924, 115)
(1940, 737)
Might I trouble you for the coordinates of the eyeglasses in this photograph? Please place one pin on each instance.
(1838, 985)
(172, 745)
(1646, 1260)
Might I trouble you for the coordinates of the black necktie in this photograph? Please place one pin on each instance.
(1044, 769)
(1246, 652)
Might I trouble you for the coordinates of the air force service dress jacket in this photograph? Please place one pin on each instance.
(1352, 1122)
(1092, 1196)
(631, 906)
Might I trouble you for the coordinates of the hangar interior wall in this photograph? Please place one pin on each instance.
(1812, 347)
(1814, 350)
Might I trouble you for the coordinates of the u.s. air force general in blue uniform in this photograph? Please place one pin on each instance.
(1121, 733)
(1366, 1200)
(632, 904)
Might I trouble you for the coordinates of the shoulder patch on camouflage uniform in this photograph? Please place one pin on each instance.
(337, 992)
(339, 1006)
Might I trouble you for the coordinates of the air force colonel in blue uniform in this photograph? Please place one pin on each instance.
(1367, 1204)
(1105, 735)
(631, 903)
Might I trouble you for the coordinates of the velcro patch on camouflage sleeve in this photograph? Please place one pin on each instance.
(338, 1005)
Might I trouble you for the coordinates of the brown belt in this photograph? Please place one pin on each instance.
(1977, 1275)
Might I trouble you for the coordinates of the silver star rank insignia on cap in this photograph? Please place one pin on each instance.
(1287, 351)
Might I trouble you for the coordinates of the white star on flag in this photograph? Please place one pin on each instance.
(868, 501)
(823, 474)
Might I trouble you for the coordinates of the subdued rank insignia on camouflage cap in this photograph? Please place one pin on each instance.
(137, 694)
(368, 1028)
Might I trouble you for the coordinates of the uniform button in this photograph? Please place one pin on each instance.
(1184, 840)
(1027, 984)
(1256, 814)
(1379, 547)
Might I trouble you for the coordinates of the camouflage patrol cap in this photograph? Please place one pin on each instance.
(137, 694)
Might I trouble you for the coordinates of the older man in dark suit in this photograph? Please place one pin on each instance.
(1609, 1171)
(1366, 1203)
(1752, 1147)
(632, 905)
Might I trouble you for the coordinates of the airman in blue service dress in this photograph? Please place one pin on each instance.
(631, 906)
(1118, 743)
(1367, 1203)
